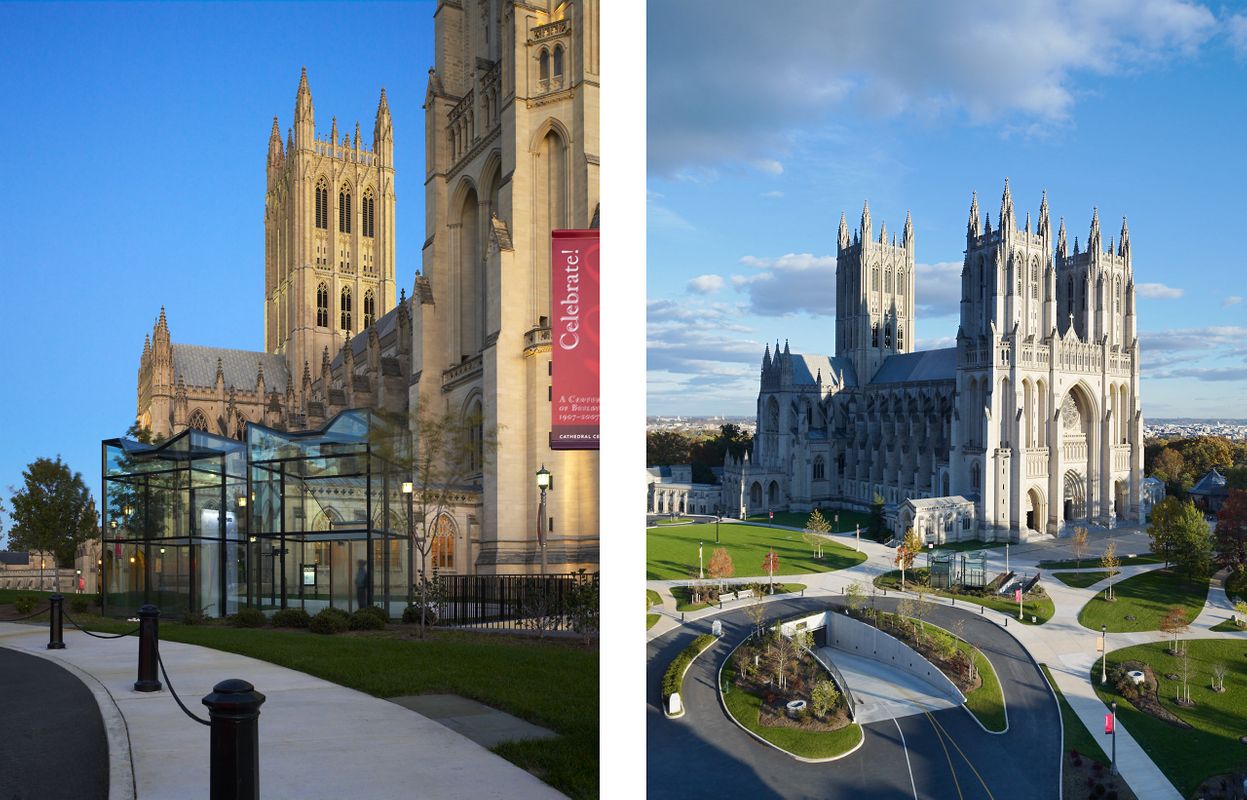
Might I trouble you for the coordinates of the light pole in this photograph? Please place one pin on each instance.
(701, 574)
(545, 481)
(718, 514)
(1104, 658)
(409, 490)
(1113, 761)
(835, 528)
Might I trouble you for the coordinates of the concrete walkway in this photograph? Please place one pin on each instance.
(881, 691)
(317, 739)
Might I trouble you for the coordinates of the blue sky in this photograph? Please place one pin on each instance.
(135, 138)
(763, 130)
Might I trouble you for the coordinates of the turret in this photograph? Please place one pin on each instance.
(1093, 241)
(1045, 222)
(844, 232)
(866, 226)
(883, 232)
(908, 234)
(383, 131)
(1062, 249)
(766, 357)
(304, 119)
(333, 130)
(973, 227)
(275, 153)
(355, 143)
(1123, 248)
(1006, 211)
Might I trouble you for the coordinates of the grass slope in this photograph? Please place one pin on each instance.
(1077, 737)
(798, 519)
(651, 619)
(1148, 598)
(1211, 747)
(988, 701)
(1080, 580)
(1090, 560)
(681, 595)
(672, 552)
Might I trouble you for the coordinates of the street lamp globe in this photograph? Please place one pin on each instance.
(543, 478)
(407, 487)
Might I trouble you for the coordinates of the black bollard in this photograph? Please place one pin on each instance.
(149, 638)
(234, 710)
(56, 639)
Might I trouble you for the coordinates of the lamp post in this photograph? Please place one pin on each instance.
(545, 482)
(835, 528)
(701, 573)
(408, 489)
(1113, 761)
(718, 514)
(1104, 658)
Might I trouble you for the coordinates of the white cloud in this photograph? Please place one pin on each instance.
(790, 284)
(1158, 291)
(663, 218)
(938, 343)
(705, 284)
(1236, 30)
(1232, 300)
(937, 292)
(769, 166)
(774, 194)
(708, 105)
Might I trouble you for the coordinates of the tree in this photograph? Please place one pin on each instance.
(1218, 677)
(816, 530)
(441, 452)
(1078, 543)
(1240, 607)
(664, 448)
(854, 598)
(720, 566)
(52, 511)
(1110, 562)
(1168, 518)
(770, 564)
(824, 697)
(1174, 623)
(1169, 466)
(1203, 453)
(783, 649)
(1231, 545)
(1188, 537)
(757, 614)
(878, 527)
(907, 552)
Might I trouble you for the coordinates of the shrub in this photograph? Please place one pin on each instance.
(193, 618)
(291, 618)
(79, 604)
(366, 620)
(824, 698)
(329, 620)
(25, 603)
(248, 618)
(378, 612)
(674, 675)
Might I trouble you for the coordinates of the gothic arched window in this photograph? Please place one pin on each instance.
(874, 278)
(346, 308)
(344, 210)
(900, 336)
(370, 309)
(475, 422)
(322, 305)
(322, 204)
(558, 62)
(199, 420)
(887, 335)
(874, 335)
(544, 66)
(887, 280)
(366, 213)
(820, 468)
(901, 285)
(1034, 281)
(974, 476)
(443, 546)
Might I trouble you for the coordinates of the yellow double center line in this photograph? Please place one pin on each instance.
(941, 734)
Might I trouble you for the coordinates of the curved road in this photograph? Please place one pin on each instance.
(946, 753)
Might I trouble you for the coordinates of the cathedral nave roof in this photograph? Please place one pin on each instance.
(926, 365)
(197, 365)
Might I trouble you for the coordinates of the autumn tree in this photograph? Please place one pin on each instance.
(720, 566)
(757, 615)
(1231, 533)
(1078, 544)
(1164, 530)
(1169, 466)
(854, 598)
(52, 511)
(907, 552)
(664, 448)
(824, 697)
(770, 564)
(1174, 623)
(1109, 562)
(815, 535)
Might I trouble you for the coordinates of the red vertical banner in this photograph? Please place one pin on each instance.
(574, 341)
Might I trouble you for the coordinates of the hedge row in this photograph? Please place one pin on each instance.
(675, 672)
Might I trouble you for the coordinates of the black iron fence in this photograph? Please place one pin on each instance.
(566, 602)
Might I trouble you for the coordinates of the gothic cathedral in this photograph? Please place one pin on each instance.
(1032, 423)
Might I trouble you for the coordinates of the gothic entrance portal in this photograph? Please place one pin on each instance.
(1035, 514)
(1075, 496)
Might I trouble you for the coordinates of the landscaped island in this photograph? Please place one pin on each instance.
(672, 551)
(1035, 602)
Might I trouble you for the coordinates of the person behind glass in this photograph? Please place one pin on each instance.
(361, 584)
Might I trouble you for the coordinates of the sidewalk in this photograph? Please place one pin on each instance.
(317, 739)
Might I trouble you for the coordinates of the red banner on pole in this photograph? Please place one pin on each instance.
(1017, 595)
(1108, 723)
(574, 340)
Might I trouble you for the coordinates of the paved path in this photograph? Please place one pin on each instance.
(941, 755)
(317, 739)
(881, 691)
(50, 720)
(1062, 643)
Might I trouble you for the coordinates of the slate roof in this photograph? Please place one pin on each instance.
(14, 558)
(385, 325)
(197, 365)
(927, 365)
(806, 369)
(1212, 483)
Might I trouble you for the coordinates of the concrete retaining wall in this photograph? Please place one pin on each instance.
(842, 632)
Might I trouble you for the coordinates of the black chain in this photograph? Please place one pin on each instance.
(98, 635)
(28, 616)
(161, 662)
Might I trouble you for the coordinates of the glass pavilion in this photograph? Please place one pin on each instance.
(202, 523)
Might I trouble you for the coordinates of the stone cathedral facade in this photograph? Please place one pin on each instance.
(511, 153)
(1030, 424)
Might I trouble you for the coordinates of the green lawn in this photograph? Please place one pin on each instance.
(549, 683)
(1211, 747)
(987, 702)
(1039, 607)
(1080, 580)
(1090, 560)
(681, 595)
(1077, 737)
(798, 519)
(672, 551)
(676, 521)
(1227, 625)
(655, 599)
(650, 619)
(1148, 598)
(744, 707)
(1236, 585)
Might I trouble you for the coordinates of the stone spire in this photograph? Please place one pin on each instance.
(274, 146)
(383, 130)
(867, 228)
(1062, 249)
(1123, 248)
(844, 231)
(304, 116)
(1093, 241)
(908, 232)
(1045, 222)
(1006, 209)
(973, 227)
